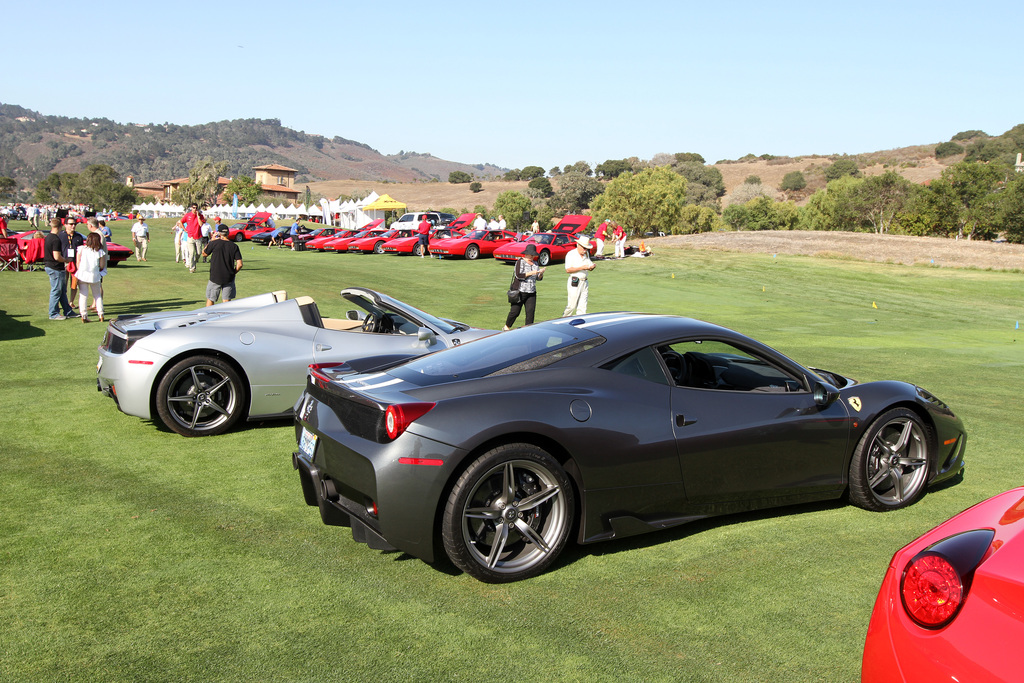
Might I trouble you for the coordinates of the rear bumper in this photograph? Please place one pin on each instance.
(335, 509)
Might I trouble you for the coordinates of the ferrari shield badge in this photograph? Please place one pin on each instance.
(854, 402)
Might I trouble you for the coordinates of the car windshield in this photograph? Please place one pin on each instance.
(542, 238)
(476, 234)
(527, 349)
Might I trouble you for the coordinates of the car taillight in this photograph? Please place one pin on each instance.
(399, 416)
(937, 580)
(932, 591)
(315, 368)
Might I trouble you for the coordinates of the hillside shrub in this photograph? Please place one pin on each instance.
(842, 167)
(948, 149)
(456, 177)
(476, 187)
(793, 181)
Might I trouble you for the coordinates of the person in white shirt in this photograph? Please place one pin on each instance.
(480, 223)
(492, 224)
(140, 237)
(501, 222)
(577, 265)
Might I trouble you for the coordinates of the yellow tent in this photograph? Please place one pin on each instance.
(384, 203)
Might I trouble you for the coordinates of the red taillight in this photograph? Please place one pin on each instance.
(400, 415)
(932, 590)
(314, 369)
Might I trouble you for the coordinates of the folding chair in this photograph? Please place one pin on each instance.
(9, 259)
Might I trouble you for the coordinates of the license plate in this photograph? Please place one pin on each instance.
(307, 443)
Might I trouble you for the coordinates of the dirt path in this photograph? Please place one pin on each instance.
(860, 246)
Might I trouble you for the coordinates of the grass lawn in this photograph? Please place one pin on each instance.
(132, 554)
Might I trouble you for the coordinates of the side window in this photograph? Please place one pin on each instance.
(703, 364)
(642, 364)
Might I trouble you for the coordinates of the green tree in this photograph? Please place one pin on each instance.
(879, 199)
(649, 201)
(684, 157)
(248, 190)
(833, 207)
(512, 205)
(202, 187)
(613, 168)
(476, 187)
(579, 167)
(761, 213)
(948, 149)
(1011, 209)
(704, 184)
(456, 177)
(842, 167)
(542, 187)
(531, 172)
(7, 186)
(575, 193)
(965, 200)
(793, 181)
(752, 180)
(694, 219)
(555, 171)
(514, 174)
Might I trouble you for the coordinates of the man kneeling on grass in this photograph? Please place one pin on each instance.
(225, 262)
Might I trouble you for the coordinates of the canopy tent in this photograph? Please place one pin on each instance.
(384, 203)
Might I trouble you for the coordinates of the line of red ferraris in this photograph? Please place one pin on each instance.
(456, 240)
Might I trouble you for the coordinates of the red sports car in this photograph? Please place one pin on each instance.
(319, 242)
(552, 245)
(250, 228)
(411, 245)
(310, 236)
(340, 244)
(951, 606)
(374, 243)
(474, 244)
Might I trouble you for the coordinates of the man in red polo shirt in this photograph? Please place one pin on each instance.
(423, 233)
(192, 223)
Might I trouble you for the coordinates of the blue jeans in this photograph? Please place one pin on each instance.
(58, 292)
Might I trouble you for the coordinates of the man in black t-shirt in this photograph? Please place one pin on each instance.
(53, 261)
(225, 261)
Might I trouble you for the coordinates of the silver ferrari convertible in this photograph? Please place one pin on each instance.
(201, 371)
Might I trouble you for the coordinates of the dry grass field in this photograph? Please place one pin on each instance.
(915, 165)
(858, 246)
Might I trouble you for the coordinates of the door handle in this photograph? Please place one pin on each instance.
(323, 347)
(681, 421)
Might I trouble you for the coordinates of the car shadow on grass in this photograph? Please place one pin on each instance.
(12, 328)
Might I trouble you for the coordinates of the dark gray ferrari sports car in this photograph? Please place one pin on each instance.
(496, 452)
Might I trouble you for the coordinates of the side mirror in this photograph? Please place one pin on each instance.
(352, 315)
(825, 394)
(426, 335)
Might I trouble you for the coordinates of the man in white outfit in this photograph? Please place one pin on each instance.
(577, 265)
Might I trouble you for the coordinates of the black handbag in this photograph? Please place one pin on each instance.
(514, 295)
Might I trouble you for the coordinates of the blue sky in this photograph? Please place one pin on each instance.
(545, 83)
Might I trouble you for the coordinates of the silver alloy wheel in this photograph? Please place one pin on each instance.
(897, 459)
(514, 516)
(201, 397)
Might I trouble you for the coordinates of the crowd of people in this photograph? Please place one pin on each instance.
(76, 264)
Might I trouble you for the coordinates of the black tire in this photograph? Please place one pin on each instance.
(891, 463)
(544, 259)
(417, 250)
(378, 248)
(239, 237)
(519, 494)
(201, 396)
(472, 252)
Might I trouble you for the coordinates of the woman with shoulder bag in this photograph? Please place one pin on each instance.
(524, 281)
